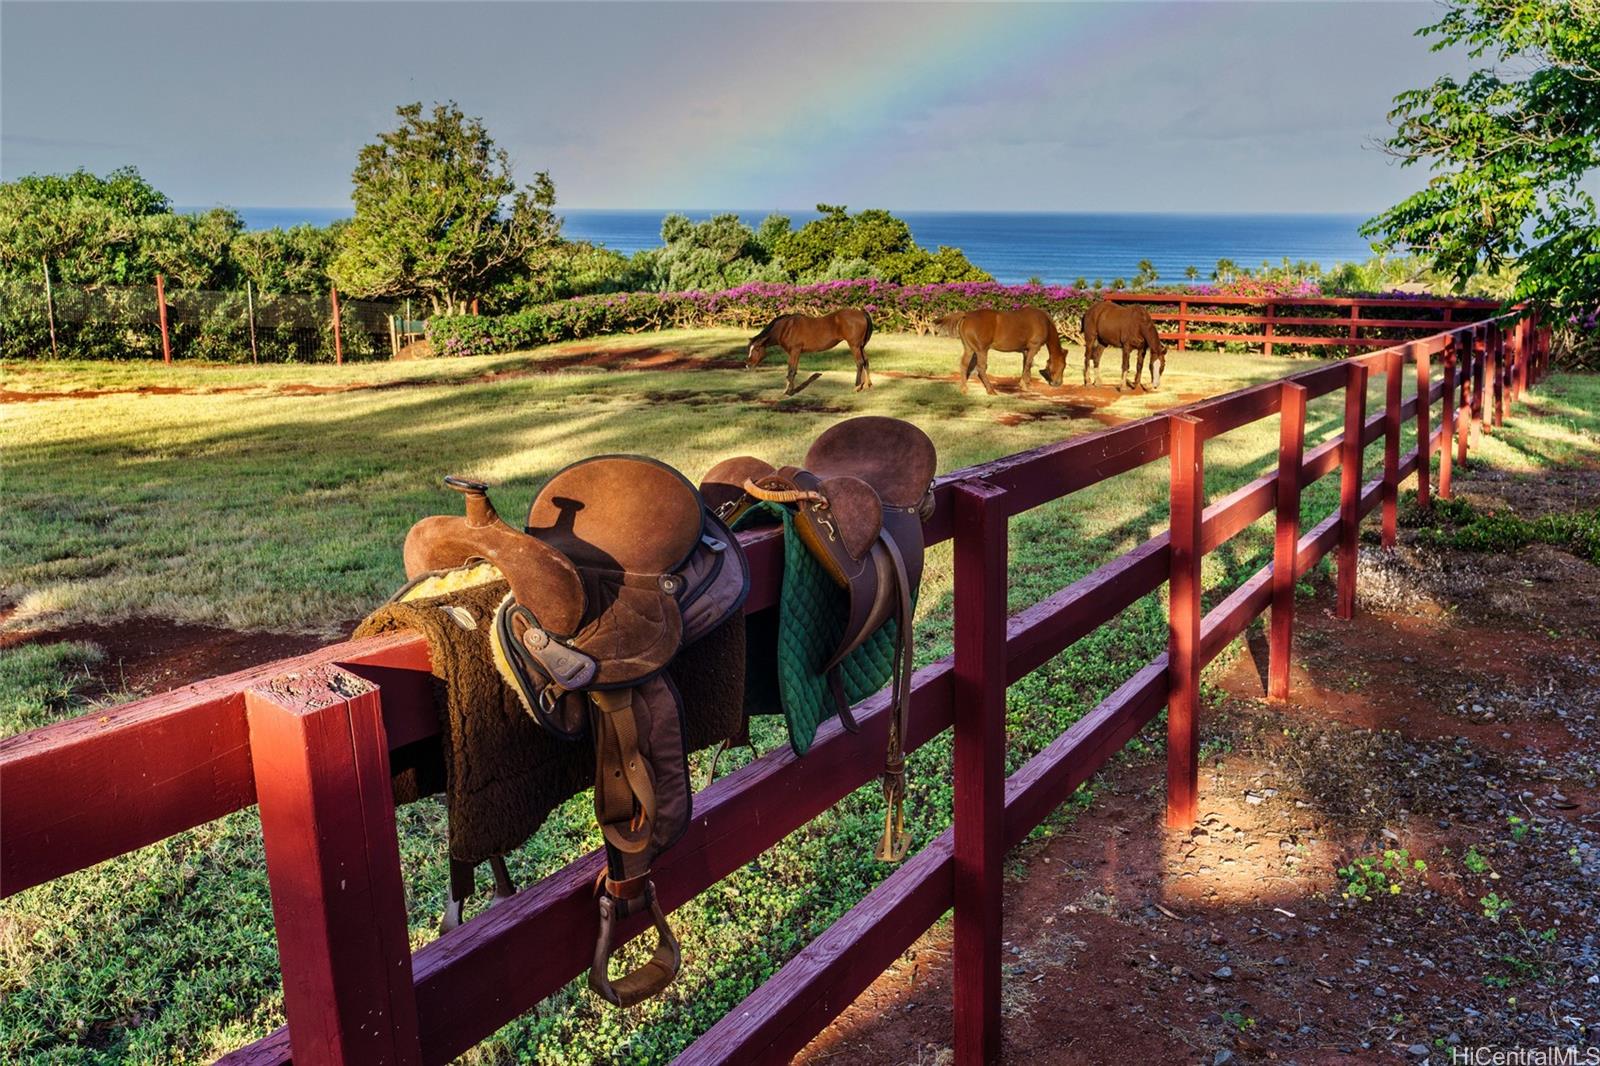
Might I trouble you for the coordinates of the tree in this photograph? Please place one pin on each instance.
(92, 230)
(1146, 275)
(439, 214)
(1191, 272)
(1509, 149)
(835, 244)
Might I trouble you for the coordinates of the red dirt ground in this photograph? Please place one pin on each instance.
(1444, 711)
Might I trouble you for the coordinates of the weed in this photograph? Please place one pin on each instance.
(1369, 876)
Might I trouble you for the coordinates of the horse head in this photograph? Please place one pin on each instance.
(1055, 367)
(755, 351)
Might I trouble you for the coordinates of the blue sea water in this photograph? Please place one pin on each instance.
(1057, 248)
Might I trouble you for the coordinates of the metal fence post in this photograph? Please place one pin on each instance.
(161, 311)
(980, 768)
(338, 343)
(1351, 451)
(250, 308)
(1286, 546)
(1187, 489)
(50, 307)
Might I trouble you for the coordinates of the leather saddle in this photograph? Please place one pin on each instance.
(858, 501)
(619, 566)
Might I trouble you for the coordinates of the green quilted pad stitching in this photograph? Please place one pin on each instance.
(812, 611)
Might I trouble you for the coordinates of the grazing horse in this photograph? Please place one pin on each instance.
(799, 334)
(1025, 330)
(1106, 324)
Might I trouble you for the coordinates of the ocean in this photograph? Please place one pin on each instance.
(1057, 248)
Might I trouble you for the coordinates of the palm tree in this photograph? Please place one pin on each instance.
(1191, 272)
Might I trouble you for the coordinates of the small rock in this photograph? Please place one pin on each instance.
(1222, 1057)
(1252, 799)
(1223, 973)
(1419, 1050)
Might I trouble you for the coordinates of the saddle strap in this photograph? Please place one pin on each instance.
(896, 841)
(624, 790)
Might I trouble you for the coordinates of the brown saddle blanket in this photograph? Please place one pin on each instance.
(502, 774)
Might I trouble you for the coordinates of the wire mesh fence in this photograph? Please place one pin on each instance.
(108, 322)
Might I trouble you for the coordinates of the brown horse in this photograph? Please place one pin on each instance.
(799, 334)
(1024, 330)
(1106, 324)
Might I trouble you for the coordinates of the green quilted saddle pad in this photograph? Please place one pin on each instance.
(812, 612)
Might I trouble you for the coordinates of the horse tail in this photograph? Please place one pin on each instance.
(868, 335)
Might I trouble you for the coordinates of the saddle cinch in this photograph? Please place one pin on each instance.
(620, 566)
(856, 504)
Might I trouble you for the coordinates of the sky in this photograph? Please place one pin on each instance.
(1187, 106)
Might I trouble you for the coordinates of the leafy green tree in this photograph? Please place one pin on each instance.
(1509, 149)
(1191, 272)
(92, 230)
(828, 246)
(1146, 275)
(293, 260)
(195, 251)
(439, 214)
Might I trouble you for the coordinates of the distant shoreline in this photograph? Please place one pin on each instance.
(1057, 247)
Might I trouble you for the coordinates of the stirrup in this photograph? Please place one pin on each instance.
(896, 841)
(647, 980)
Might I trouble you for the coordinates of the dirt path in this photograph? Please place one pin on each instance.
(1454, 720)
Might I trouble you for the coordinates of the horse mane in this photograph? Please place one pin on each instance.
(766, 330)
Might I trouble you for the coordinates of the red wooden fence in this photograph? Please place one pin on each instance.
(308, 741)
(1232, 311)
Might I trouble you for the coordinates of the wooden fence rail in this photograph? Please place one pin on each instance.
(1349, 329)
(308, 739)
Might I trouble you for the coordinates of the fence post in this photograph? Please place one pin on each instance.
(1524, 350)
(1286, 547)
(50, 307)
(338, 342)
(1351, 452)
(250, 308)
(1495, 416)
(1480, 376)
(1272, 313)
(1355, 323)
(1183, 621)
(161, 312)
(1393, 363)
(980, 768)
(1183, 325)
(1447, 416)
(321, 763)
(1424, 428)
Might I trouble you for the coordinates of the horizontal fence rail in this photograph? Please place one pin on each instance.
(307, 740)
(1344, 322)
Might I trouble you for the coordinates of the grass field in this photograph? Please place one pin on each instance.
(268, 506)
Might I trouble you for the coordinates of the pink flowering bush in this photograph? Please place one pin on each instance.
(749, 307)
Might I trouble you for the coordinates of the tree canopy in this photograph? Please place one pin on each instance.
(1510, 148)
(438, 212)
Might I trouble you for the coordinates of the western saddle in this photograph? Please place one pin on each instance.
(621, 564)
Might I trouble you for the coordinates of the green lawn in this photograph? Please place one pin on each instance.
(257, 508)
